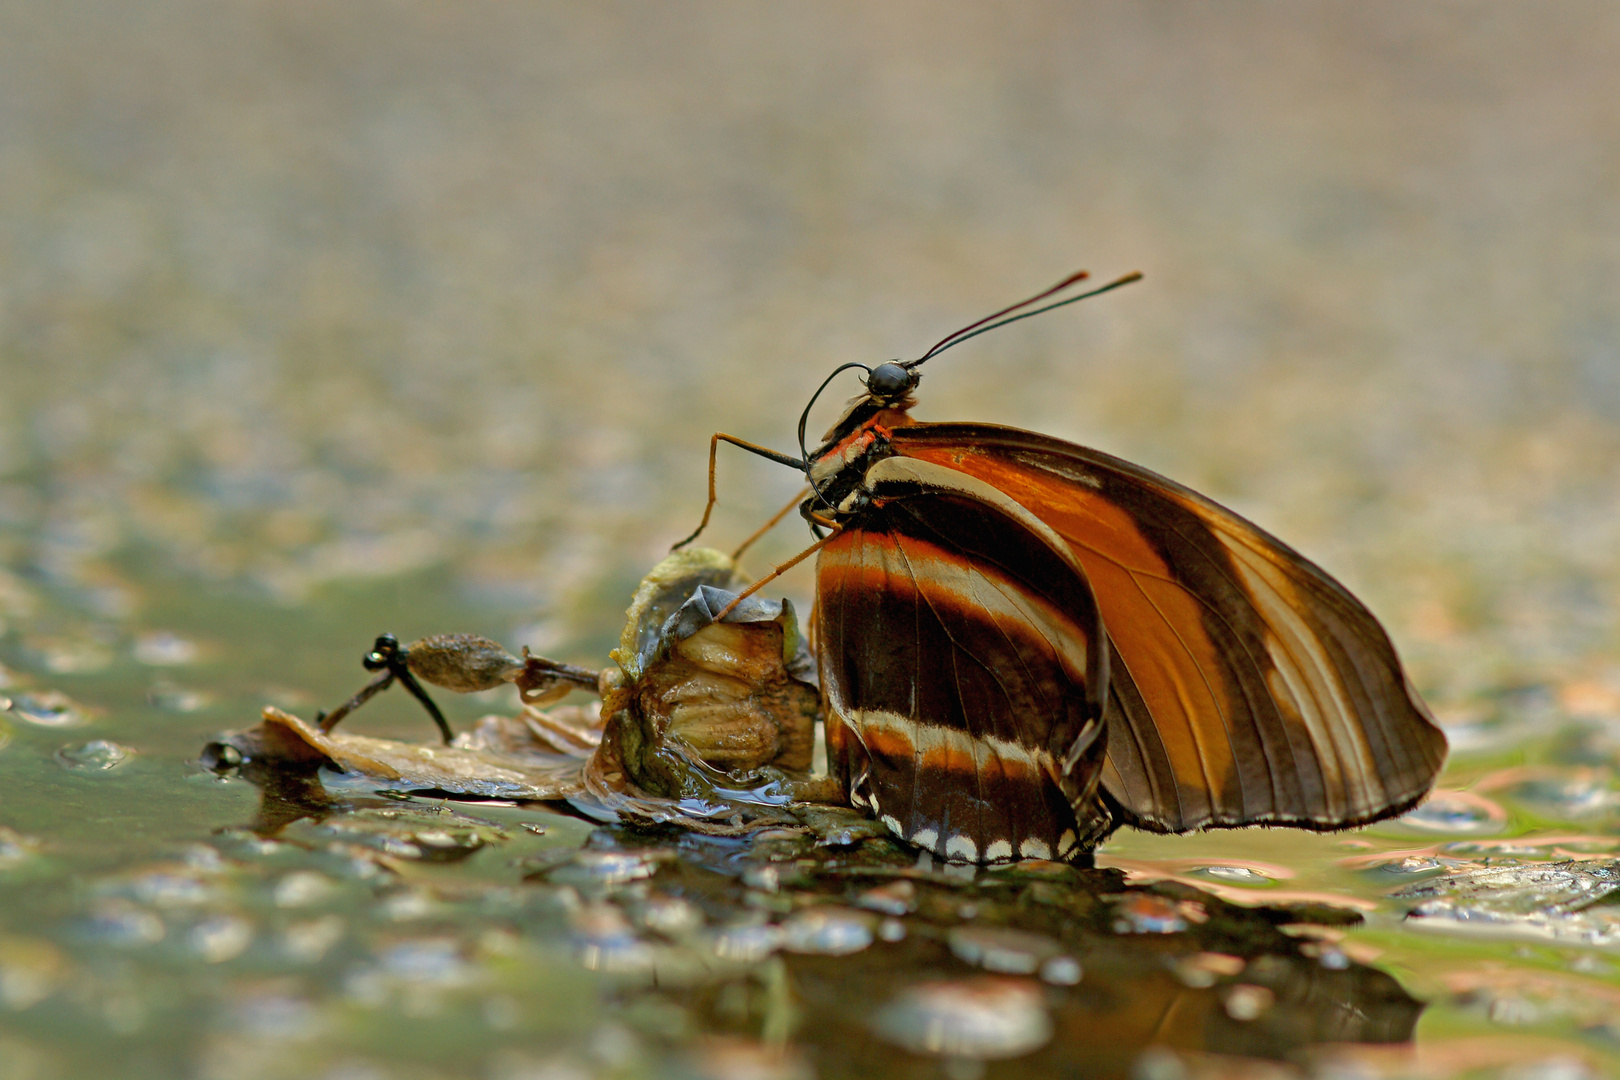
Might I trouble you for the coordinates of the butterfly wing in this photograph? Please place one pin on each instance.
(962, 669)
(1247, 686)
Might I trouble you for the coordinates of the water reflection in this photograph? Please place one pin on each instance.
(834, 960)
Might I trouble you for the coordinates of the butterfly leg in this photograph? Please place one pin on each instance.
(833, 529)
(714, 445)
(771, 524)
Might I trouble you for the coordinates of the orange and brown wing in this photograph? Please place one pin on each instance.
(1247, 686)
(962, 673)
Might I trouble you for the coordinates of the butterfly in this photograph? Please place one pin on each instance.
(1024, 643)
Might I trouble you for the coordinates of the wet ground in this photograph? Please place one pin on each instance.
(319, 322)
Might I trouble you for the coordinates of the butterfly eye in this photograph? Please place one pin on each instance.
(889, 381)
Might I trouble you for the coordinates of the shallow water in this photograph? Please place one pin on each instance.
(317, 322)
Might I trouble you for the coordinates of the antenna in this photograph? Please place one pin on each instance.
(973, 330)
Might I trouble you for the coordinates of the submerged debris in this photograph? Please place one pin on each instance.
(1552, 902)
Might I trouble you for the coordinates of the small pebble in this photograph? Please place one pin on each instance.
(1061, 971)
(221, 938)
(1247, 1002)
(307, 942)
(302, 888)
(747, 943)
(765, 878)
(431, 961)
(1001, 949)
(1146, 913)
(31, 970)
(122, 925)
(669, 915)
(732, 1058)
(407, 906)
(15, 847)
(895, 898)
(827, 931)
(605, 941)
(984, 1018)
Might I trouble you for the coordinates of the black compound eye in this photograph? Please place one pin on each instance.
(889, 380)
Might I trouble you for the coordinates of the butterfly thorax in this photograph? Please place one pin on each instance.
(838, 468)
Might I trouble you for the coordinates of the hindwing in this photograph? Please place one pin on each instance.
(963, 669)
(1246, 686)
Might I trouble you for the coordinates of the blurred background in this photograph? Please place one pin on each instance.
(324, 319)
(298, 293)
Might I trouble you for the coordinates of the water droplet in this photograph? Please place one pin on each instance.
(1001, 949)
(1238, 875)
(220, 757)
(986, 1018)
(828, 931)
(442, 845)
(49, 708)
(97, 755)
(1412, 864)
(608, 868)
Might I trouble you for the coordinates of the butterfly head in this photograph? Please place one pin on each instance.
(888, 383)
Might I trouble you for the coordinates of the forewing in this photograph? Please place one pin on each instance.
(1247, 685)
(955, 648)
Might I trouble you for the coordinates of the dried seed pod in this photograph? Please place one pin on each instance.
(706, 723)
(701, 701)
